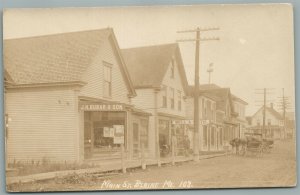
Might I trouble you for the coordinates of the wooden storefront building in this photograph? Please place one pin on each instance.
(160, 82)
(68, 97)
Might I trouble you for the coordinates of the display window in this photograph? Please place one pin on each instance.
(104, 131)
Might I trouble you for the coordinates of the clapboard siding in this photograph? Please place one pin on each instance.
(144, 99)
(94, 76)
(269, 117)
(42, 125)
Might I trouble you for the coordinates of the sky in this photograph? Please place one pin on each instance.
(255, 50)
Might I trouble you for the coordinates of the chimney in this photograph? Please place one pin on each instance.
(271, 105)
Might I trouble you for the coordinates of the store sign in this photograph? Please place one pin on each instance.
(204, 122)
(102, 107)
(189, 122)
(182, 122)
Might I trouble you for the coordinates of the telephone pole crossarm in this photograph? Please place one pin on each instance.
(199, 29)
(201, 39)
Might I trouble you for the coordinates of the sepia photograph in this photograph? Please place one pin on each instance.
(149, 97)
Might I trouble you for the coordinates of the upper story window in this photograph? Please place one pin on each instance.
(172, 68)
(164, 96)
(179, 100)
(258, 122)
(172, 97)
(269, 121)
(213, 111)
(107, 79)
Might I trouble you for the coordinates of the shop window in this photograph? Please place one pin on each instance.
(172, 96)
(144, 133)
(107, 81)
(87, 127)
(106, 125)
(164, 96)
(179, 100)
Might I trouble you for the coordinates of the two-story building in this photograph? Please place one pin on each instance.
(216, 107)
(68, 98)
(240, 108)
(209, 135)
(160, 82)
(274, 123)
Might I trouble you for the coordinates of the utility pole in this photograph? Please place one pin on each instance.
(197, 83)
(210, 70)
(284, 104)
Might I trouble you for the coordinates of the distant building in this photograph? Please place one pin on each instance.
(216, 106)
(290, 124)
(274, 123)
(209, 138)
(240, 108)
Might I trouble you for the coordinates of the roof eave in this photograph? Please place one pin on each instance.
(124, 70)
(54, 84)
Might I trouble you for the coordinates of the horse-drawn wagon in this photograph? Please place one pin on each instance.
(253, 143)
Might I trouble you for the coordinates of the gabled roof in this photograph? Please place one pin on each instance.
(221, 95)
(272, 111)
(148, 65)
(237, 99)
(57, 58)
